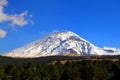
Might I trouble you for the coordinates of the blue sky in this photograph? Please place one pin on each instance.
(23, 21)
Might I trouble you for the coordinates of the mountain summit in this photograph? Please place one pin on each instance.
(61, 43)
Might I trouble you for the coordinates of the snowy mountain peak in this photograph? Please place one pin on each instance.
(59, 43)
(64, 35)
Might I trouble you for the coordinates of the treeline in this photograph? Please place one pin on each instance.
(78, 70)
(5, 61)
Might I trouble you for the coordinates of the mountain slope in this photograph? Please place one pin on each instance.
(60, 43)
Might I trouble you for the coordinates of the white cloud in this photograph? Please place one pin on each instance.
(3, 2)
(2, 33)
(3, 17)
(14, 19)
(18, 20)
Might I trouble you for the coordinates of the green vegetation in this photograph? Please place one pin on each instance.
(49, 69)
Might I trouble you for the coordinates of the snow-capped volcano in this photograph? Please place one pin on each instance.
(60, 43)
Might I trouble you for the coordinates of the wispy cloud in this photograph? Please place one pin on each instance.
(13, 19)
(2, 33)
(44, 33)
(54, 31)
(18, 20)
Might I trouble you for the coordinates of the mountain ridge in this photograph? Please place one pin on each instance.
(60, 43)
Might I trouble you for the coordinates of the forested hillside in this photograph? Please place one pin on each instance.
(52, 68)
